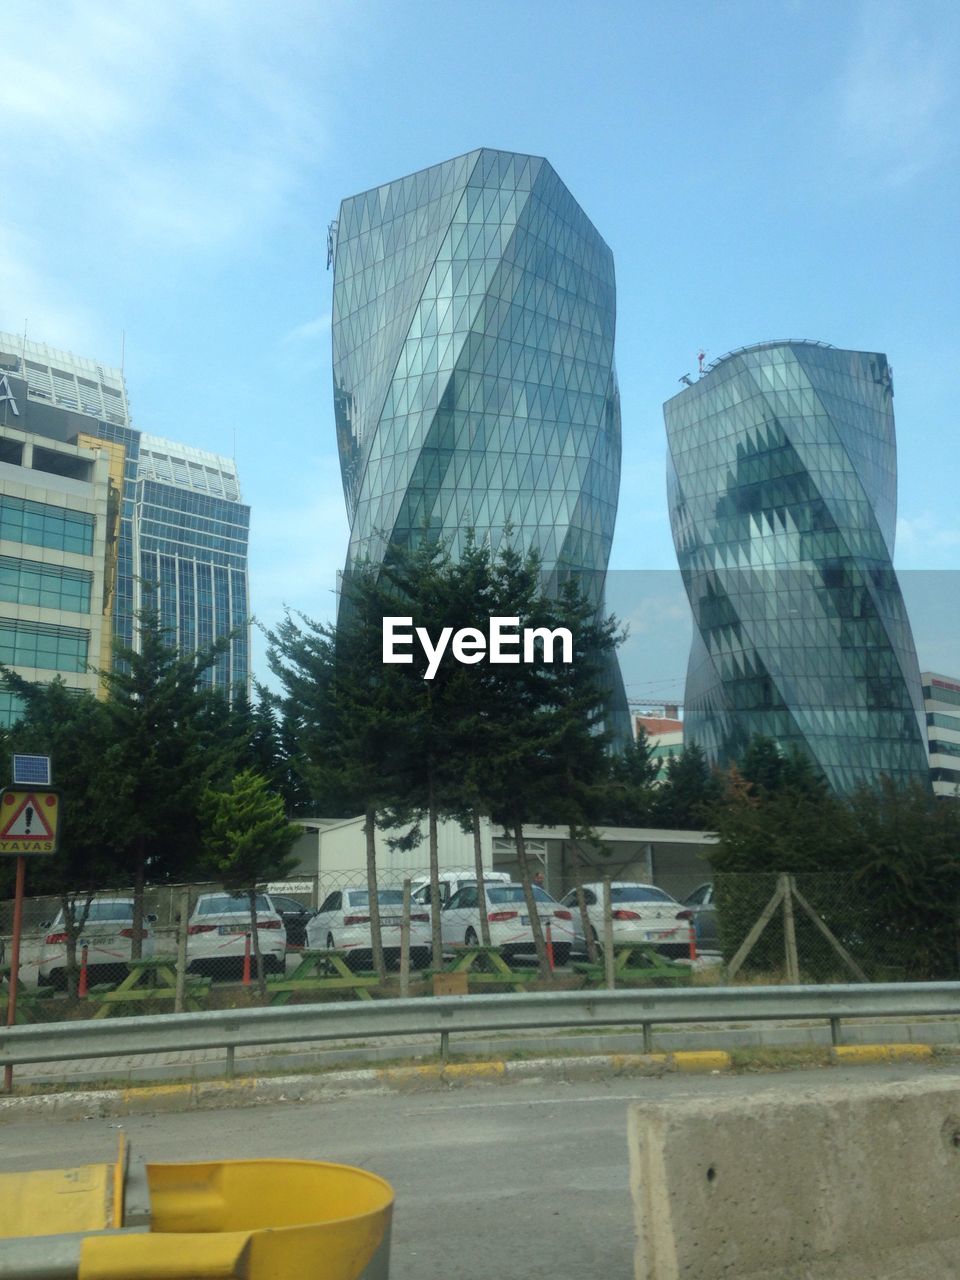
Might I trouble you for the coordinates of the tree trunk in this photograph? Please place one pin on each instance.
(481, 891)
(436, 936)
(255, 940)
(376, 936)
(588, 933)
(541, 947)
(73, 923)
(136, 944)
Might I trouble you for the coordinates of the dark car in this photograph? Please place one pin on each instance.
(704, 910)
(294, 916)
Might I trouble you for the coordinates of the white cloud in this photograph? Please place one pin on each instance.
(184, 124)
(894, 98)
(307, 332)
(925, 542)
(32, 299)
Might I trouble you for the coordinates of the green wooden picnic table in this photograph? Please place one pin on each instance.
(30, 1000)
(485, 966)
(638, 962)
(319, 971)
(148, 979)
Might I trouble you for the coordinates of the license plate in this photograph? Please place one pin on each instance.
(234, 928)
(95, 939)
(390, 922)
(544, 920)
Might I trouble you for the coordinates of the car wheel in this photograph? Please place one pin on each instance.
(58, 979)
(420, 957)
(561, 953)
(330, 945)
(471, 939)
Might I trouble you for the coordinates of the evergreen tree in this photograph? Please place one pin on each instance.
(165, 749)
(247, 840)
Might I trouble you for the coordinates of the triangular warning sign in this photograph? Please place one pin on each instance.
(28, 822)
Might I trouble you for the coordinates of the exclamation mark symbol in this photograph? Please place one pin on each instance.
(28, 816)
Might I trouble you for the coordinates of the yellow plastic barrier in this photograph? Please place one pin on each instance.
(255, 1220)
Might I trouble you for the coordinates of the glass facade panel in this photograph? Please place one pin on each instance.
(28, 644)
(474, 312)
(49, 586)
(39, 525)
(781, 481)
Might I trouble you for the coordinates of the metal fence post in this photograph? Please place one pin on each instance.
(183, 914)
(608, 974)
(790, 931)
(405, 942)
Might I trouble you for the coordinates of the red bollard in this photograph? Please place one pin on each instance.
(693, 941)
(246, 959)
(82, 989)
(549, 947)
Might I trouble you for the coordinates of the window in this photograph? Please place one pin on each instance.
(33, 644)
(40, 525)
(385, 897)
(333, 902)
(223, 904)
(638, 893)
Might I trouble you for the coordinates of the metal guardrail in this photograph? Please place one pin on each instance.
(446, 1015)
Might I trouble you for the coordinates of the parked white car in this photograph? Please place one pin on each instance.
(450, 883)
(507, 917)
(108, 936)
(343, 924)
(641, 913)
(217, 930)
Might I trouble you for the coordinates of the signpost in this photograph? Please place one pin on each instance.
(29, 826)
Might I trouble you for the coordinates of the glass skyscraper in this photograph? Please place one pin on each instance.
(474, 309)
(192, 532)
(782, 493)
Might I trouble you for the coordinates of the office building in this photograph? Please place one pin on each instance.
(192, 533)
(941, 705)
(79, 522)
(782, 495)
(474, 309)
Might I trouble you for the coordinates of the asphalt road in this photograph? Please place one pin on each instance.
(519, 1182)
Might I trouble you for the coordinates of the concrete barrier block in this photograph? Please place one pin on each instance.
(858, 1182)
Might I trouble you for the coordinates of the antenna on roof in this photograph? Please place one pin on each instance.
(686, 379)
(701, 356)
(123, 348)
(332, 228)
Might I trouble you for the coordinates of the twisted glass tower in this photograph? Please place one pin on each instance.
(474, 309)
(782, 493)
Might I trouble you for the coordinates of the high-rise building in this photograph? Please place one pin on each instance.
(782, 494)
(79, 521)
(474, 308)
(941, 703)
(192, 533)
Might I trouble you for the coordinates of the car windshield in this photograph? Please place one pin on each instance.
(224, 904)
(385, 897)
(102, 911)
(514, 893)
(638, 893)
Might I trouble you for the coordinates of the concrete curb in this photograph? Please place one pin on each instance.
(252, 1091)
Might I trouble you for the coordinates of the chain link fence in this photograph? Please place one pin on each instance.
(204, 946)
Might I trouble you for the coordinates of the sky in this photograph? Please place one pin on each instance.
(769, 169)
